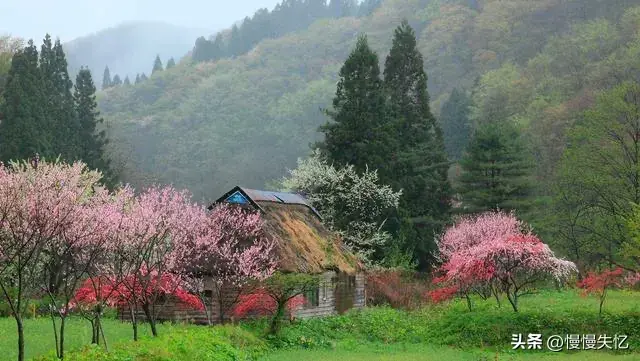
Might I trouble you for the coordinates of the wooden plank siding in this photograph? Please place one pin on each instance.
(349, 289)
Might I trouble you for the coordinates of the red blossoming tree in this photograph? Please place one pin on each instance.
(598, 284)
(496, 250)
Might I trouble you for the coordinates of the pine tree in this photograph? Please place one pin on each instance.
(106, 79)
(496, 170)
(422, 165)
(126, 81)
(143, 77)
(157, 65)
(116, 80)
(137, 79)
(358, 133)
(171, 63)
(93, 141)
(456, 125)
(21, 130)
(60, 108)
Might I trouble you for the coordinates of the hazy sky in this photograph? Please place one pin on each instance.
(69, 19)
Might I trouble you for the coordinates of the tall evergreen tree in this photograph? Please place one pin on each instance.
(106, 79)
(171, 63)
(456, 125)
(496, 170)
(21, 130)
(126, 81)
(157, 65)
(93, 140)
(422, 165)
(60, 107)
(137, 79)
(116, 80)
(358, 133)
(143, 77)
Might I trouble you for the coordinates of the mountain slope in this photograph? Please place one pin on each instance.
(245, 120)
(129, 48)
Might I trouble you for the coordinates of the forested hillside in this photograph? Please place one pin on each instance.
(209, 125)
(128, 48)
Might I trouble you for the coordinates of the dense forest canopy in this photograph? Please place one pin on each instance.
(210, 125)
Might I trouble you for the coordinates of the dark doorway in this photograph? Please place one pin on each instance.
(344, 291)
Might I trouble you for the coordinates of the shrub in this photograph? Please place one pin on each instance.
(396, 288)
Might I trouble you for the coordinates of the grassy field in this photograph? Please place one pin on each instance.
(439, 333)
(422, 352)
(39, 335)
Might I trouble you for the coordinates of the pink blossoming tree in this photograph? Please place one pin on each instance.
(227, 255)
(495, 249)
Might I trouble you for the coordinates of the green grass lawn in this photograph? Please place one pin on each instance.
(422, 352)
(39, 335)
(439, 333)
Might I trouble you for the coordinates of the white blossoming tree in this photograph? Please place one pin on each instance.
(350, 203)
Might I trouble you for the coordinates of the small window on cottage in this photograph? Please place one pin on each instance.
(208, 294)
(312, 297)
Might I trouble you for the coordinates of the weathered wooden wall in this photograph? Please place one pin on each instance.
(337, 293)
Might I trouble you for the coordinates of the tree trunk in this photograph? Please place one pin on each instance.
(277, 318)
(151, 319)
(468, 301)
(55, 332)
(134, 323)
(513, 299)
(93, 332)
(62, 322)
(494, 290)
(20, 336)
(100, 331)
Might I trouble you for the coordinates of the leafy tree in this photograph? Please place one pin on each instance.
(126, 81)
(21, 131)
(157, 65)
(106, 79)
(171, 63)
(8, 47)
(421, 166)
(496, 170)
(116, 80)
(351, 203)
(456, 125)
(92, 140)
(358, 134)
(282, 288)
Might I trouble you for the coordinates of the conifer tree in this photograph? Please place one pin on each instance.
(116, 80)
(126, 81)
(358, 133)
(456, 125)
(93, 140)
(496, 170)
(171, 63)
(106, 79)
(422, 165)
(21, 130)
(137, 81)
(157, 65)
(143, 77)
(60, 108)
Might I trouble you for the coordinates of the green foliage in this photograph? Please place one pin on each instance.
(282, 287)
(600, 177)
(181, 343)
(549, 313)
(358, 133)
(157, 65)
(106, 78)
(496, 171)
(456, 125)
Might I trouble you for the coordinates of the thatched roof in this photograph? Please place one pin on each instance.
(304, 244)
